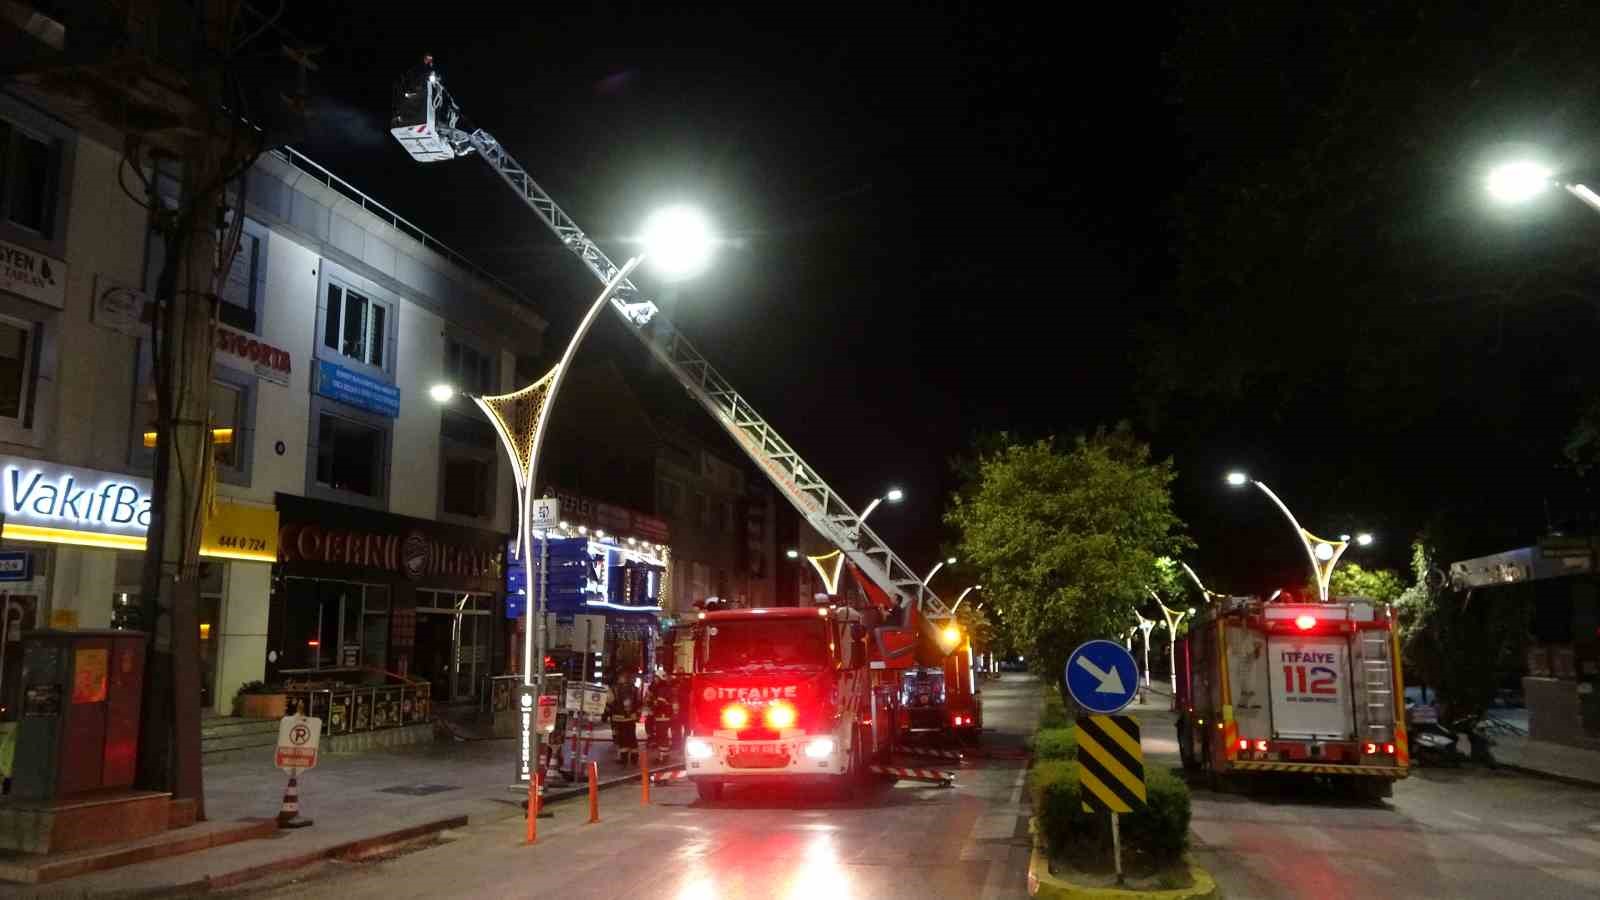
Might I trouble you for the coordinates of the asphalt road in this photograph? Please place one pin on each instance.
(907, 841)
(1459, 833)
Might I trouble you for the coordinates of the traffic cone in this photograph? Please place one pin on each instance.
(289, 812)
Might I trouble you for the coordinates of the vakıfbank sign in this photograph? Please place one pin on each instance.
(45, 501)
(55, 504)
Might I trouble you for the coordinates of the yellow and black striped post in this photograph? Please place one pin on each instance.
(1110, 771)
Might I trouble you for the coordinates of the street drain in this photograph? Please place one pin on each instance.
(419, 790)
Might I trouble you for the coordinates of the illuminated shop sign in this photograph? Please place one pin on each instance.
(45, 501)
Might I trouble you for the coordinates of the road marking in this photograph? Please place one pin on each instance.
(1586, 877)
(1468, 816)
(1511, 850)
(1580, 844)
(1532, 828)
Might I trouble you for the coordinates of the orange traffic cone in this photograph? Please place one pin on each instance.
(289, 812)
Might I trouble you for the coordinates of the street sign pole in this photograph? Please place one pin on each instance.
(1116, 847)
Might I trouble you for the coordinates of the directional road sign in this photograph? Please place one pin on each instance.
(1110, 764)
(1101, 676)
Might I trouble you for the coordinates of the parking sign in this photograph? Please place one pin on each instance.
(546, 512)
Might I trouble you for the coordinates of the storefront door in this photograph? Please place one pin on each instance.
(453, 638)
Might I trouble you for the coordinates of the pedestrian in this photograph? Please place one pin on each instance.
(662, 714)
(622, 708)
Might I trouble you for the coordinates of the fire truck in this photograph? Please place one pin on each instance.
(1311, 689)
(941, 698)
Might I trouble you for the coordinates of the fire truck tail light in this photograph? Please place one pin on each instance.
(820, 748)
(1371, 747)
(695, 748)
(1305, 622)
(1244, 743)
(735, 717)
(1389, 749)
(780, 715)
(1261, 746)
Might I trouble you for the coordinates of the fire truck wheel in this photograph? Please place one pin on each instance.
(1372, 790)
(1186, 747)
(710, 791)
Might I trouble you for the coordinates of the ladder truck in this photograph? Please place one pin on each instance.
(1268, 689)
(428, 123)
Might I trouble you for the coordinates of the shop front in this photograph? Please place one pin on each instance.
(372, 599)
(72, 555)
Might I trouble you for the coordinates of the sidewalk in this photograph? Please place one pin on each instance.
(1574, 764)
(352, 799)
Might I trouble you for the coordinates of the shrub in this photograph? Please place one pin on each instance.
(1057, 805)
(1054, 713)
(1056, 743)
(1160, 828)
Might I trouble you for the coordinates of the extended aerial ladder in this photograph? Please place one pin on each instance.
(429, 125)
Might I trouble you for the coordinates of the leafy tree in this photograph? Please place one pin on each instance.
(1065, 540)
(1350, 580)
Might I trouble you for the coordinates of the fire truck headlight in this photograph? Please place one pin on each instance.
(695, 748)
(735, 717)
(820, 748)
(780, 715)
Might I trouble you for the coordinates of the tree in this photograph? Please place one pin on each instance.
(1350, 580)
(1065, 541)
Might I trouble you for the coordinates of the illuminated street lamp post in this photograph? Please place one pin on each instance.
(1145, 626)
(1522, 180)
(1323, 553)
(936, 567)
(1174, 618)
(678, 242)
(964, 593)
(893, 495)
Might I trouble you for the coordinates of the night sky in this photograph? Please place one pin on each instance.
(1258, 237)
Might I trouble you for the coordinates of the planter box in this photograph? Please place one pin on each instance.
(262, 706)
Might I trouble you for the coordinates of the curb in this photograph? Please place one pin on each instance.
(1569, 780)
(580, 789)
(1053, 887)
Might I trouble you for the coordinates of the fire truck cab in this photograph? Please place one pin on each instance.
(1293, 688)
(784, 695)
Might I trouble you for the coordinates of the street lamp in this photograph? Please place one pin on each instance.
(792, 553)
(1519, 181)
(1323, 553)
(1174, 618)
(936, 567)
(678, 242)
(964, 593)
(1145, 626)
(893, 495)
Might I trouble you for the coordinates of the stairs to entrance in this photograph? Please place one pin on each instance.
(233, 739)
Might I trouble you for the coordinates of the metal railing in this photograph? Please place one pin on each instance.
(396, 221)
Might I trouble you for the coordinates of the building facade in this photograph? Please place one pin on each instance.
(359, 526)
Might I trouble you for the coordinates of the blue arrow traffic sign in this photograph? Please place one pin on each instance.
(1101, 676)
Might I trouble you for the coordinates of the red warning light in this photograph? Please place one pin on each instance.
(1244, 743)
(1261, 746)
(1305, 622)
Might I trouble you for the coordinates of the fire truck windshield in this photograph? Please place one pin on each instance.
(774, 644)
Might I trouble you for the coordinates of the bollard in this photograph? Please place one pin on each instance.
(594, 792)
(644, 776)
(289, 811)
(535, 784)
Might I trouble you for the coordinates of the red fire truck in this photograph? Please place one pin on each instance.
(1302, 688)
(942, 698)
(783, 694)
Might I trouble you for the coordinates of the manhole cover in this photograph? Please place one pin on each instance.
(419, 790)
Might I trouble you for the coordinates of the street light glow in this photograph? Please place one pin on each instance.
(792, 553)
(951, 561)
(678, 241)
(894, 495)
(1238, 479)
(1324, 551)
(1364, 539)
(442, 393)
(1517, 182)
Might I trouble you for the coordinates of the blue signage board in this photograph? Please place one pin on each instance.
(1101, 676)
(361, 391)
(16, 565)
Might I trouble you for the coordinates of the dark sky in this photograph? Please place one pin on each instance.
(1224, 227)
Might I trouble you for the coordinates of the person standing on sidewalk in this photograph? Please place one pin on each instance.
(622, 708)
(661, 715)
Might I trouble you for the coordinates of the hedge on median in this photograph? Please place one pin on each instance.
(1054, 713)
(1056, 743)
(1160, 828)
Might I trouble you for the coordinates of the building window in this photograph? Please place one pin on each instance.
(28, 166)
(355, 326)
(227, 424)
(467, 486)
(469, 368)
(669, 498)
(727, 517)
(349, 456)
(16, 357)
(241, 290)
